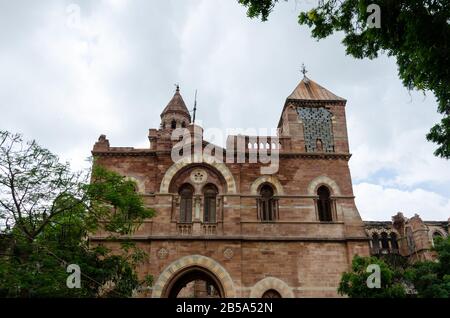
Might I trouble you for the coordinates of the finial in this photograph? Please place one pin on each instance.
(177, 87)
(303, 70)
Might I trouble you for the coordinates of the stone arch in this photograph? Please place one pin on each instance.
(271, 283)
(432, 234)
(273, 180)
(173, 269)
(323, 180)
(210, 160)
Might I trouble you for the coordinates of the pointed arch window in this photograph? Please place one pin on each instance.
(394, 242)
(209, 203)
(267, 204)
(384, 242)
(324, 204)
(375, 243)
(186, 193)
(173, 124)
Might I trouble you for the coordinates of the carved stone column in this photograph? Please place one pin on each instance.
(197, 217)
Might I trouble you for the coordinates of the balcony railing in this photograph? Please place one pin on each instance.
(185, 228)
(209, 229)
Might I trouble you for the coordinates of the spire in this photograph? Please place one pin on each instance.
(176, 105)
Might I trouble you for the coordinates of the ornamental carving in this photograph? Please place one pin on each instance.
(199, 176)
(228, 253)
(163, 253)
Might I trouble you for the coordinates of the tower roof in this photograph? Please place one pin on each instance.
(311, 91)
(308, 90)
(176, 105)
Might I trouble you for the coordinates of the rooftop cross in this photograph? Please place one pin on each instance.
(303, 70)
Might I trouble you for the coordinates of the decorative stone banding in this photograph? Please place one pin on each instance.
(273, 180)
(184, 162)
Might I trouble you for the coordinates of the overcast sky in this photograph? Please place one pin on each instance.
(64, 81)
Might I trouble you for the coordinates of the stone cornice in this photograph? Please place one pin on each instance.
(243, 195)
(231, 238)
(124, 152)
(118, 152)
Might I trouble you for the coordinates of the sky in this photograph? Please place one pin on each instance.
(72, 70)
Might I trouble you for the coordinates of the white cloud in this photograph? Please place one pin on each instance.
(376, 202)
(115, 73)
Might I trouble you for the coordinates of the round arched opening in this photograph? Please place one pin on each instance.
(194, 282)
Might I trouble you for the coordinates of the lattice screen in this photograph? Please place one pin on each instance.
(317, 128)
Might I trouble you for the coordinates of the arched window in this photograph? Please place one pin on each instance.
(394, 243)
(266, 203)
(384, 241)
(375, 243)
(173, 125)
(186, 193)
(324, 204)
(319, 145)
(183, 124)
(271, 293)
(209, 203)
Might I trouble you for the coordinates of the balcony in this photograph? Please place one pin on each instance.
(184, 228)
(209, 228)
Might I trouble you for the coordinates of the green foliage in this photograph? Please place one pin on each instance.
(427, 279)
(432, 278)
(415, 32)
(259, 8)
(354, 283)
(114, 201)
(46, 213)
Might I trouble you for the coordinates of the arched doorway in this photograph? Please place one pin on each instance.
(189, 268)
(194, 282)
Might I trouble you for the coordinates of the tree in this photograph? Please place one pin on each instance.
(415, 32)
(431, 279)
(354, 282)
(48, 211)
(425, 279)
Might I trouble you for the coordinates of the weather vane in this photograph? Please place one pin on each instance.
(177, 87)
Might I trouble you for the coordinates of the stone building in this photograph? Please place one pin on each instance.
(411, 238)
(236, 227)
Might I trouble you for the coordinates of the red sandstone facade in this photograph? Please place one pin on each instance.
(246, 233)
